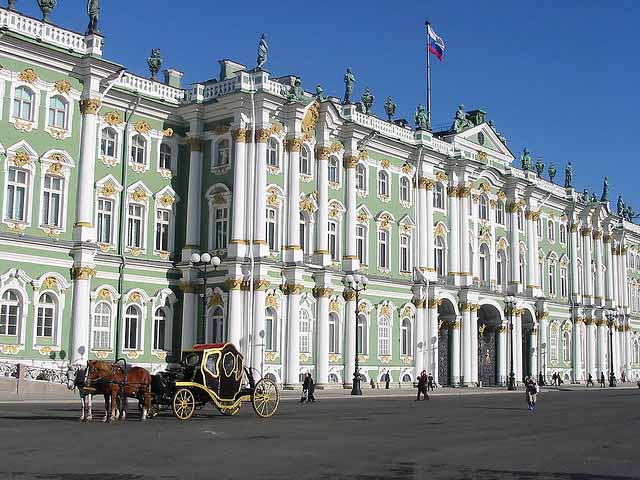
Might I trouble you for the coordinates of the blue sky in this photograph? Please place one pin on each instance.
(560, 78)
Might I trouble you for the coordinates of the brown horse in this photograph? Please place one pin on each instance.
(120, 381)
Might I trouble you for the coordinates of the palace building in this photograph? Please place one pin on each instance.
(111, 181)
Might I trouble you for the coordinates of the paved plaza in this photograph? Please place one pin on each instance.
(572, 435)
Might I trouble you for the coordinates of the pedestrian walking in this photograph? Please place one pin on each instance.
(540, 379)
(422, 386)
(531, 392)
(602, 382)
(387, 380)
(590, 380)
(307, 389)
(623, 378)
(430, 383)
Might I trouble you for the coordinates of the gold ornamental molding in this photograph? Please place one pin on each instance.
(166, 200)
(112, 118)
(435, 302)
(82, 273)
(597, 234)
(385, 163)
(104, 294)
(50, 283)
(168, 132)
(310, 120)
(262, 135)
(293, 289)
(141, 126)
(272, 301)
(463, 192)
(294, 144)
(107, 190)
(442, 177)
(419, 302)
(607, 238)
(484, 187)
(28, 75)
(452, 191)
(234, 283)
(239, 135)
(323, 153)
(350, 161)
(195, 144)
(90, 106)
(422, 182)
(138, 195)
(322, 292)
(574, 227)
(585, 232)
(62, 86)
(349, 295)
(261, 285)
(21, 159)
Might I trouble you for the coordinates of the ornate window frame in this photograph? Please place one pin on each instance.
(218, 197)
(71, 97)
(22, 157)
(16, 279)
(35, 88)
(103, 293)
(138, 194)
(165, 200)
(57, 163)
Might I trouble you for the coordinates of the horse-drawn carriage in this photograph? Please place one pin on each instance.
(216, 374)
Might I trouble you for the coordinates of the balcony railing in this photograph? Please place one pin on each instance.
(151, 88)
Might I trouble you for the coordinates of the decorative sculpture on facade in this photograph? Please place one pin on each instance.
(46, 6)
(621, 206)
(421, 119)
(155, 62)
(629, 214)
(539, 167)
(552, 172)
(367, 101)
(297, 92)
(568, 176)
(390, 108)
(460, 121)
(605, 190)
(320, 96)
(525, 160)
(12, 5)
(263, 50)
(594, 198)
(93, 10)
(349, 81)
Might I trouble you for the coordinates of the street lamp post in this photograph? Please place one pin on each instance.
(611, 322)
(200, 262)
(261, 335)
(357, 283)
(510, 303)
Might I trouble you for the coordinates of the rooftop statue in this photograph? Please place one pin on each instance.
(460, 121)
(46, 6)
(630, 214)
(539, 167)
(605, 190)
(552, 172)
(155, 62)
(367, 101)
(297, 92)
(263, 50)
(390, 108)
(621, 207)
(349, 81)
(12, 5)
(594, 198)
(568, 176)
(93, 10)
(525, 160)
(421, 118)
(320, 96)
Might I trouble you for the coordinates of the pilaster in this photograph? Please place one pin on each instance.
(322, 292)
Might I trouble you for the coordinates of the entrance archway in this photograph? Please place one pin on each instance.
(528, 345)
(446, 316)
(489, 322)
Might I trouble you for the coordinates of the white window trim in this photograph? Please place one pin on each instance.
(139, 167)
(410, 340)
(145, 217)
(36, 88)
(173, 144)
(365, 191)
(405, 203)
(158, 198)
(365, 256)
(338, 182)
(389, 246)
(384, 197)
(16, 279)
(115, 198)
(142, 306)
(106, 160)
(409, 249)
(221, 169)
(165, 299)
(308, 177)
(275, 169)
(444, 197)
(390, 337)
(1, 95)
(67, 165)
(55, 132)
(551, 238)
(30, 167)
(215, 193)
(57, 325)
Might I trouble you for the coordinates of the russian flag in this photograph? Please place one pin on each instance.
(436, 45)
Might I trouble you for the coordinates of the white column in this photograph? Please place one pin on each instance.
(322, 321)
(292, 369)
(466, 344)
(514, 240)
(591, 348)
(254, 341)
(432, 340)
(431, 262)
(517, 344)
(189, 317)
(419, 345)
(86, 170)
(625, 279)
(423, 225)
(322, 235)
(238, 204)
(455, 352)
(465, 267)
(586, 265)
(350, 257)
(292, 248)
(603, 347)
(259, 209)
(194, 194)
(533, 353)
(599, 290)
(615, 264)
(543, 334)
(350, 338)
(533, 282)
(80, 307)
(608, 279)
(577, 351)
(453, 238)
(474, 343)
(235, 314)
(503, 361)
(575, 282)
(627, 351)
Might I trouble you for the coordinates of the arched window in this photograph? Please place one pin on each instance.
(10, 312)
(405, 190)
(551, 231)
(383, 250)
(484, 262)
(165, 156)
(216, 327)
(563, 234)
(132, 320)
(523, 269)
(361, 177)
(405, 253)
(553, 340)
(501, 268)
(108, 141)
(439, 256)
(361, 335)
(102, 326)
(334, 246)
(159, 329)
(334, 333)
(333, 170)
(270, 331)
(223, 152)
(305, 332)
(220, 227)
(563, 282)
(406, 340)
(520, 219)
(383, 183)
(17, 194)
(273, 157)
(566, 346)
(552, 278)
(500, 213)
(23, 108)
(305, 161)
(361, 244)
(539, 227)
(58, 112)
(438, 196)
(384, 337)
(47, 312)
(483, 208)
(272, 238)
(406, 378)
(138, 149)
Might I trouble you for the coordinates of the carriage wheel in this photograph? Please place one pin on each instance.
(184, 404)
(230, 412)
(265, 398)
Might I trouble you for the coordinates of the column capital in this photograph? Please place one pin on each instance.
(195, 144)
(293, 289)
(322, 152)
(597, 234)
(262, 135)
(294, 144)
(349, 295)
(83, 273)
(574, 227)
(322, 292)
(607, 238)
(586, 231)
(234, 283)
(419, 302)
(435, 302)
(90, 106)
(350, 161)
(239, 135)
(261, 285)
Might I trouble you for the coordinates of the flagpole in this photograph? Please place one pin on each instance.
(428, 105)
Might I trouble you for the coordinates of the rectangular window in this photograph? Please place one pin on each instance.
(16, 204)
(361, 245)
(333, 343)
(51, 201)
(520, 220)
(9, 320)
(162, 230)
(220, 227)
(159, 326)
(405, 253)
(269, 337)
(105, 221)
(539, 227)
(552, 279)
(44, 327)
(271, 229)
(333, 240)
(383, 249)
(563, 282)
(131, 333)
(134, 225)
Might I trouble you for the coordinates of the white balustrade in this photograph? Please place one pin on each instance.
(151, 88)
